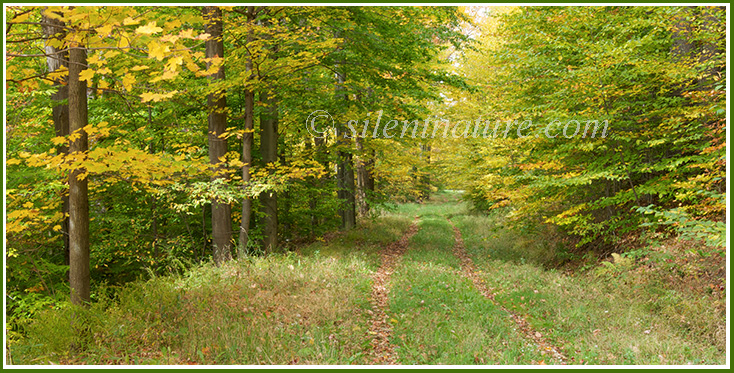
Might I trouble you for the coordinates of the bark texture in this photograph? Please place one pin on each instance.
(78, 187)
(217, 105)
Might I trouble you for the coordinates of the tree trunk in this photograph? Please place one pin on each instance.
(78, 188)
(269, 152)
(217, 105)
(365, 181)
(53, 29)
(247, 138)
(319, 184)
(284, 216)
(345, 166)
(424, 178)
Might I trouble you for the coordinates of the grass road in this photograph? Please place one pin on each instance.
(426, 283)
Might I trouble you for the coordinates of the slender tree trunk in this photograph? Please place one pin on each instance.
(78, 188)
(284, 216)
(53, 29)
(153, 207)
(365, 182)
(247, 138)
(269, 152)
(345, 166)
(369, 181)
(346, 187)
(217, 104)
(204, 233)
(319, 184)
(425, 179)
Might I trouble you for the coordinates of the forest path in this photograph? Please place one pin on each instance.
(383, 351)
(471, 289)
(430, 306)
(470, 271)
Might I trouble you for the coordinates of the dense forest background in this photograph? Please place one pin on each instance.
(141, 141)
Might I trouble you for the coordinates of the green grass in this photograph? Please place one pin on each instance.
(268, 311)
(311, 306)
(305, 309)
(439, 317)
(443, 204)
(598, 317)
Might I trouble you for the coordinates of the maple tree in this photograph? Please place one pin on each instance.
(152, 184)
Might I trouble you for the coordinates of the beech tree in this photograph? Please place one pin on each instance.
(57, 59)
(662, 156)
(217, 108)
(249, 128)
(78, 182)
(154, 174)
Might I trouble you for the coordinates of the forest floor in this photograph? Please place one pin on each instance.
(428, 283)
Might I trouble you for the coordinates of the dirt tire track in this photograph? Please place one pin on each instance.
(383, 352)
(470, 271)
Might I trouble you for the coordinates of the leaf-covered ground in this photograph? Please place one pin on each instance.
(427, 283)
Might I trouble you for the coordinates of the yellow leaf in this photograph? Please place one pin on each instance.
(57, 228)
(157, 51)
(173, 62)
(111, 53)
(148, 29)
(173, 24)
(192, 66)
(58, 140)
(94, 60)
(130, 21)
(78, 17)
(59, 73)
(128, 81)
(124, 41)
(168, 74)
(169, 38)
(28, 205)
(22, 17)
(86, 74)
(155, 97)
(139, 67)
(105, 30)
(186, 34)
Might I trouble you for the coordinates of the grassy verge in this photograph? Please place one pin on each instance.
(618, 313)
(307, 308)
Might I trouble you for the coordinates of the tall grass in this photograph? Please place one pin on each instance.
(307, 308)
(614, 313)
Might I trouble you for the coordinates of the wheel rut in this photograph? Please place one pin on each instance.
(383, 351)
(470, 271)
